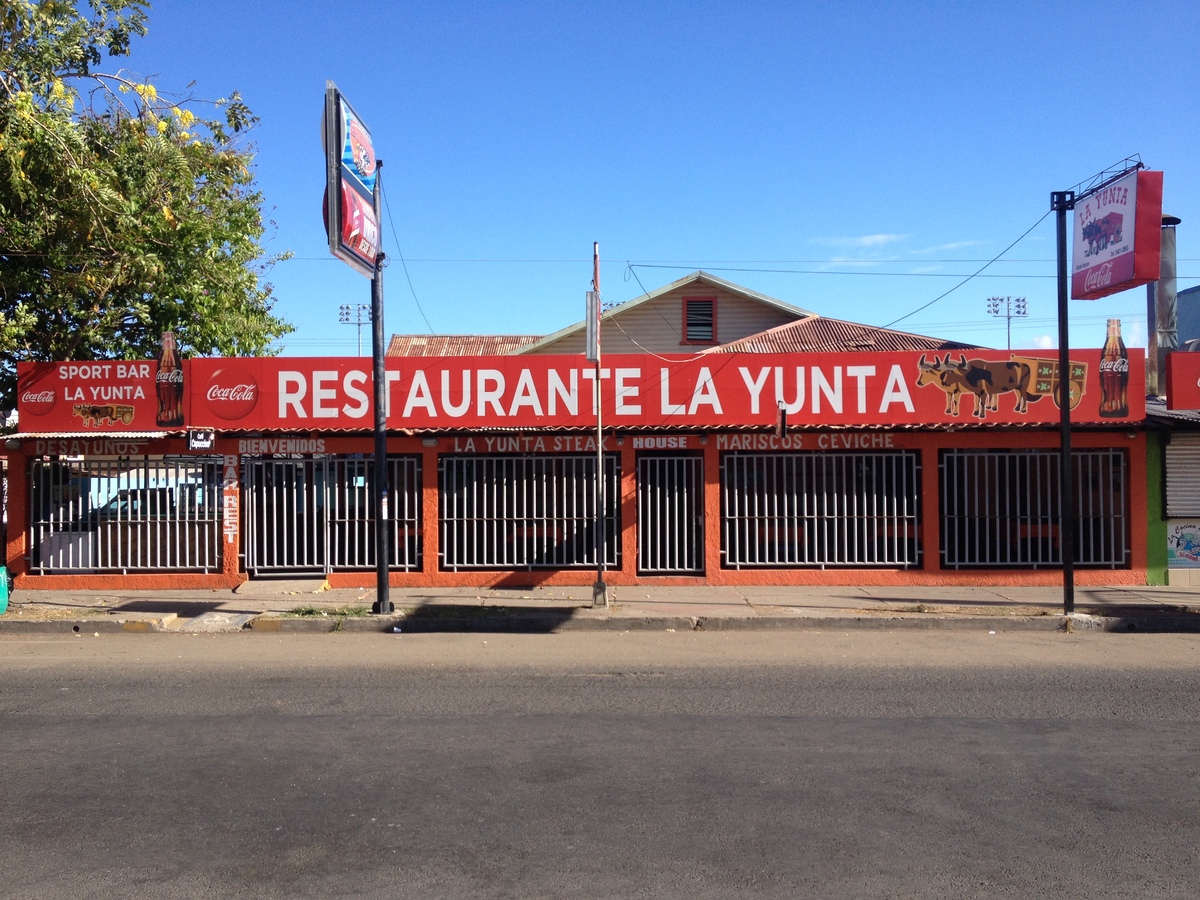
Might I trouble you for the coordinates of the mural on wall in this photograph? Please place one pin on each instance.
(1029, 379)
(984, 381)
(1183, 545)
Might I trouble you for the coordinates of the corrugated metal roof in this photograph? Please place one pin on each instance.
(458, 344)
(818, 334)
(97, 435)
(1184, 419)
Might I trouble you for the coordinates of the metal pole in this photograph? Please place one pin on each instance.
(383, 603)
(599, 589)
(1162, 313)
(1061, 201)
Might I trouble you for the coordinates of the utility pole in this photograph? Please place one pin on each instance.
(1009, 307)
(595, 310)
(383, 598)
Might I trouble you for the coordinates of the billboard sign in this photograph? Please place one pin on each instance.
(1118, 245)
(102, 396)
(1183, 380)
(350, 172)
(727, 390)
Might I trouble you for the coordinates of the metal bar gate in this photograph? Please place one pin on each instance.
(784, 510)
(1001, 508)
(317, 514)
(670, 501)
(125, 515)
(526, 512)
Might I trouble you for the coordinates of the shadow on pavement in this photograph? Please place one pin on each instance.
(451, 617)
(1153, 619)
(184, 609)
(919, 599)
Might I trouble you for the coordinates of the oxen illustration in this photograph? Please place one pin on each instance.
(939, 373)
(984, 379)
(97, 415)
(1100, 233)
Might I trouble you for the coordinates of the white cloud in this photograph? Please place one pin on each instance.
(955, 245)
(1044, 342)
(847, 261)
(865, 242)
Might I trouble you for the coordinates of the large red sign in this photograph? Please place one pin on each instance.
(728, 390)
(1118, 242)
(74, 397)
(1183, 381)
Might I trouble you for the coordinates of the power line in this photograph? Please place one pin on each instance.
(693, 263)
(970, 277)
(400, 253)
(833, 272)
(710, 268)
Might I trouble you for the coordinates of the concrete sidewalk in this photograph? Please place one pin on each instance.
(305, 605)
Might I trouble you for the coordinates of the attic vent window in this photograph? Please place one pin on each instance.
(699, 320)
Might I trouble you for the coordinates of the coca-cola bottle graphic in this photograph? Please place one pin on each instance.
(1114, 374)
(168, 384)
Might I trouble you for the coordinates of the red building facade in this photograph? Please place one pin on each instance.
(891, 466)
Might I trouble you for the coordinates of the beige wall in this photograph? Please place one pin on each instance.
(657, 325)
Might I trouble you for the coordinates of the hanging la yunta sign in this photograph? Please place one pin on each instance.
(1118, 245)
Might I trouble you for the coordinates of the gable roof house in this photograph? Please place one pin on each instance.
(699, 313)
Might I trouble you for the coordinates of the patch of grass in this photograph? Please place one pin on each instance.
(919, 608)
(338, 612)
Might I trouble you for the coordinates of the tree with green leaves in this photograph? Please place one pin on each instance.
(123, 213)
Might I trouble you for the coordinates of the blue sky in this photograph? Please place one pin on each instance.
(855, 159)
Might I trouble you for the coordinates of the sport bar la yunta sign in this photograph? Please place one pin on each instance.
(530, 392)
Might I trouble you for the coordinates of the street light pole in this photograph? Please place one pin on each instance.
(1009, 307)
(1061, 202)
(355, 314)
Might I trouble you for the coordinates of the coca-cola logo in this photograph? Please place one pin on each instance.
(232, 393)
(1114, 365)
(1098, 277)
(39, 403)
(169, 376)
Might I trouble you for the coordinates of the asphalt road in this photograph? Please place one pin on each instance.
(606, 765)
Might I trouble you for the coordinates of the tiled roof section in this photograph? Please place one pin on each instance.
(458, 344)
(817, 334)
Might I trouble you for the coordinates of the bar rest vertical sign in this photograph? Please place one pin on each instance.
(231, 491)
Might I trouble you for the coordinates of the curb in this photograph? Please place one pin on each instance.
(85, 626)
(555, 623)
(886, 623)
(542, 623)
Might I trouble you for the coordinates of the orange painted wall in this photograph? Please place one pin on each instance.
(927, 443)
